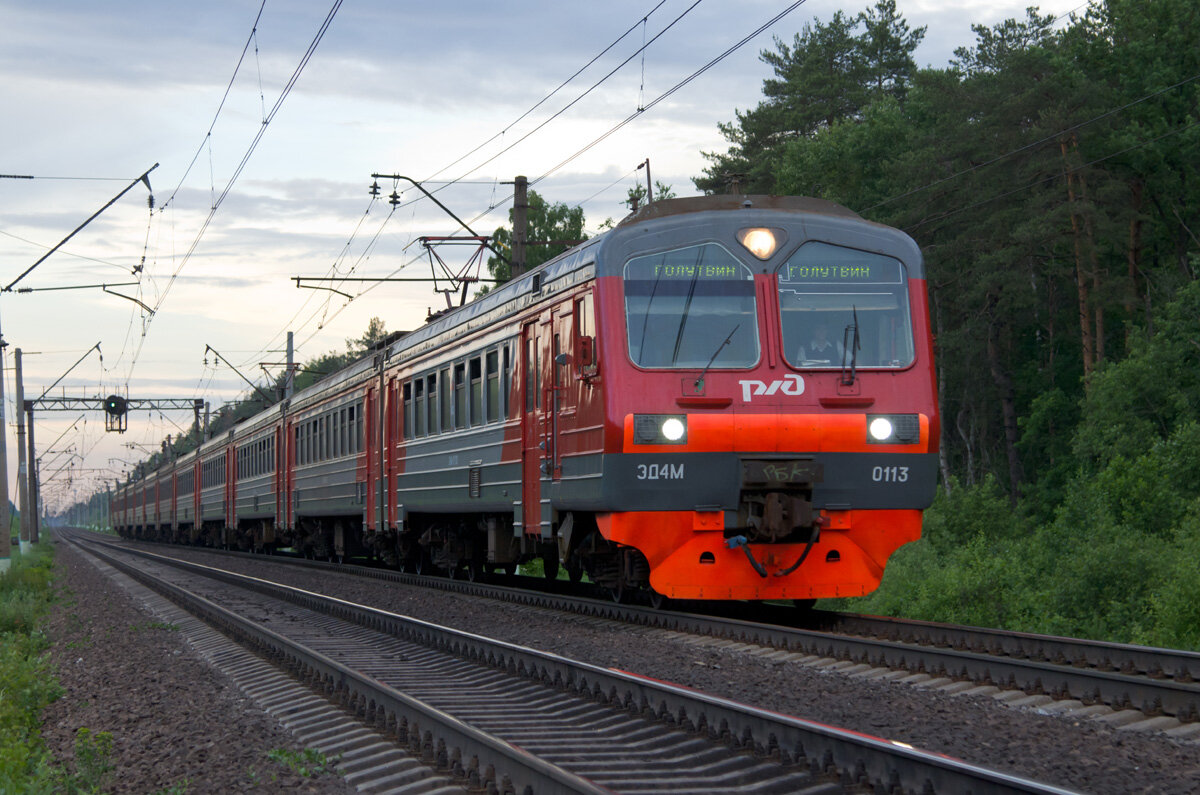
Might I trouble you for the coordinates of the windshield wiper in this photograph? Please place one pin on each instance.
(699, 383)
(850, 342)
(687, 305)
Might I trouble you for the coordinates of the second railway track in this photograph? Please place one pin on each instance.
(1158, 689)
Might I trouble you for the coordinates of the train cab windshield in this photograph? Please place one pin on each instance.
(691, 308)
(830, 296)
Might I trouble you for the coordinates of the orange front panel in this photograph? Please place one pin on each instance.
(688, 562)
(777, 432)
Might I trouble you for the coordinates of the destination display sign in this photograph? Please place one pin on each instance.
(868, 271)
(670, 270)
(708, 262)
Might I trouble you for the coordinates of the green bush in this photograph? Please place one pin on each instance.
(26, 682)
(958, 515)
(1175, 602)
(1117, 563)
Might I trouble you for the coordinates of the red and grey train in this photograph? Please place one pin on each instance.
(723, 397)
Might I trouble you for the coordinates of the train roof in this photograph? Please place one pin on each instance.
(696, 204)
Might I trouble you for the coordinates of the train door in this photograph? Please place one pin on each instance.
(279, 468)
(561, 395)
(287, 481)
(391, 441)
(374, 452)
(534, 518)
(231, 474)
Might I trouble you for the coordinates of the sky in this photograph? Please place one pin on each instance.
(276, 115)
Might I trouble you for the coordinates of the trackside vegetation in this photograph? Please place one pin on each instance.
(1048, 175)
(27, 684)
(1117, 556)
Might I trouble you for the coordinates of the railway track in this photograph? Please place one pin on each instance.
(1124, 685)
(514, 719)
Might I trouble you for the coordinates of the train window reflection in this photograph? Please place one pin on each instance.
(828, 292)
(691, 306)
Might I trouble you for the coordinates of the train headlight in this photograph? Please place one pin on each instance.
(673, 429)
(659, 429)
(893, 428)
(762, 242)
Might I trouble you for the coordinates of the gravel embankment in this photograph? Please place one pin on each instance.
(174, 720)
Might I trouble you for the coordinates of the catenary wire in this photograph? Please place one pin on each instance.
(661, 97)
(286, 91)
(220, 105)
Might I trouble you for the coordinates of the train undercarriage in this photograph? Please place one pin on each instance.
(471, 546)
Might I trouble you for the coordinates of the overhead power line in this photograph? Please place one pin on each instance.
(143, 178)
(262, 129)
(671, 91)
(792, 7)
(220, 105)
(589, 90)
(560, 87)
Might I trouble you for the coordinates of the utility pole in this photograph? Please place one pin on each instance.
(289, 381)
(5, 513)
(32, 488)
(22, 471)
(520, 225)
(649, 188)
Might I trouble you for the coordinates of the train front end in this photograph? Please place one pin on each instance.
(772, 426)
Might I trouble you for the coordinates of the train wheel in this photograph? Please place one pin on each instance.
(475, 571)
(550, 567)
(423, 565)
(617, 592)
(658, 601)
(574, 569)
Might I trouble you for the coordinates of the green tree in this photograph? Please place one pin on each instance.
(376, 333)
(635, 196)
(552, 229)
(829, 73)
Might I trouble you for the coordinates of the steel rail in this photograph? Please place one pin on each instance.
(1151, 661)
(857, 758)
(1155, 681)
(470, 754)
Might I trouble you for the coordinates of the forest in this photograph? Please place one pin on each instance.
(1048, 174)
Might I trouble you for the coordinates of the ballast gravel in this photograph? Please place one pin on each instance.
(177, 725)
(1079, 753)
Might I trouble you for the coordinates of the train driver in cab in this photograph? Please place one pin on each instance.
(820, 351)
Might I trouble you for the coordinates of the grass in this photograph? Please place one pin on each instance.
(308, 763)
(27, 684)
